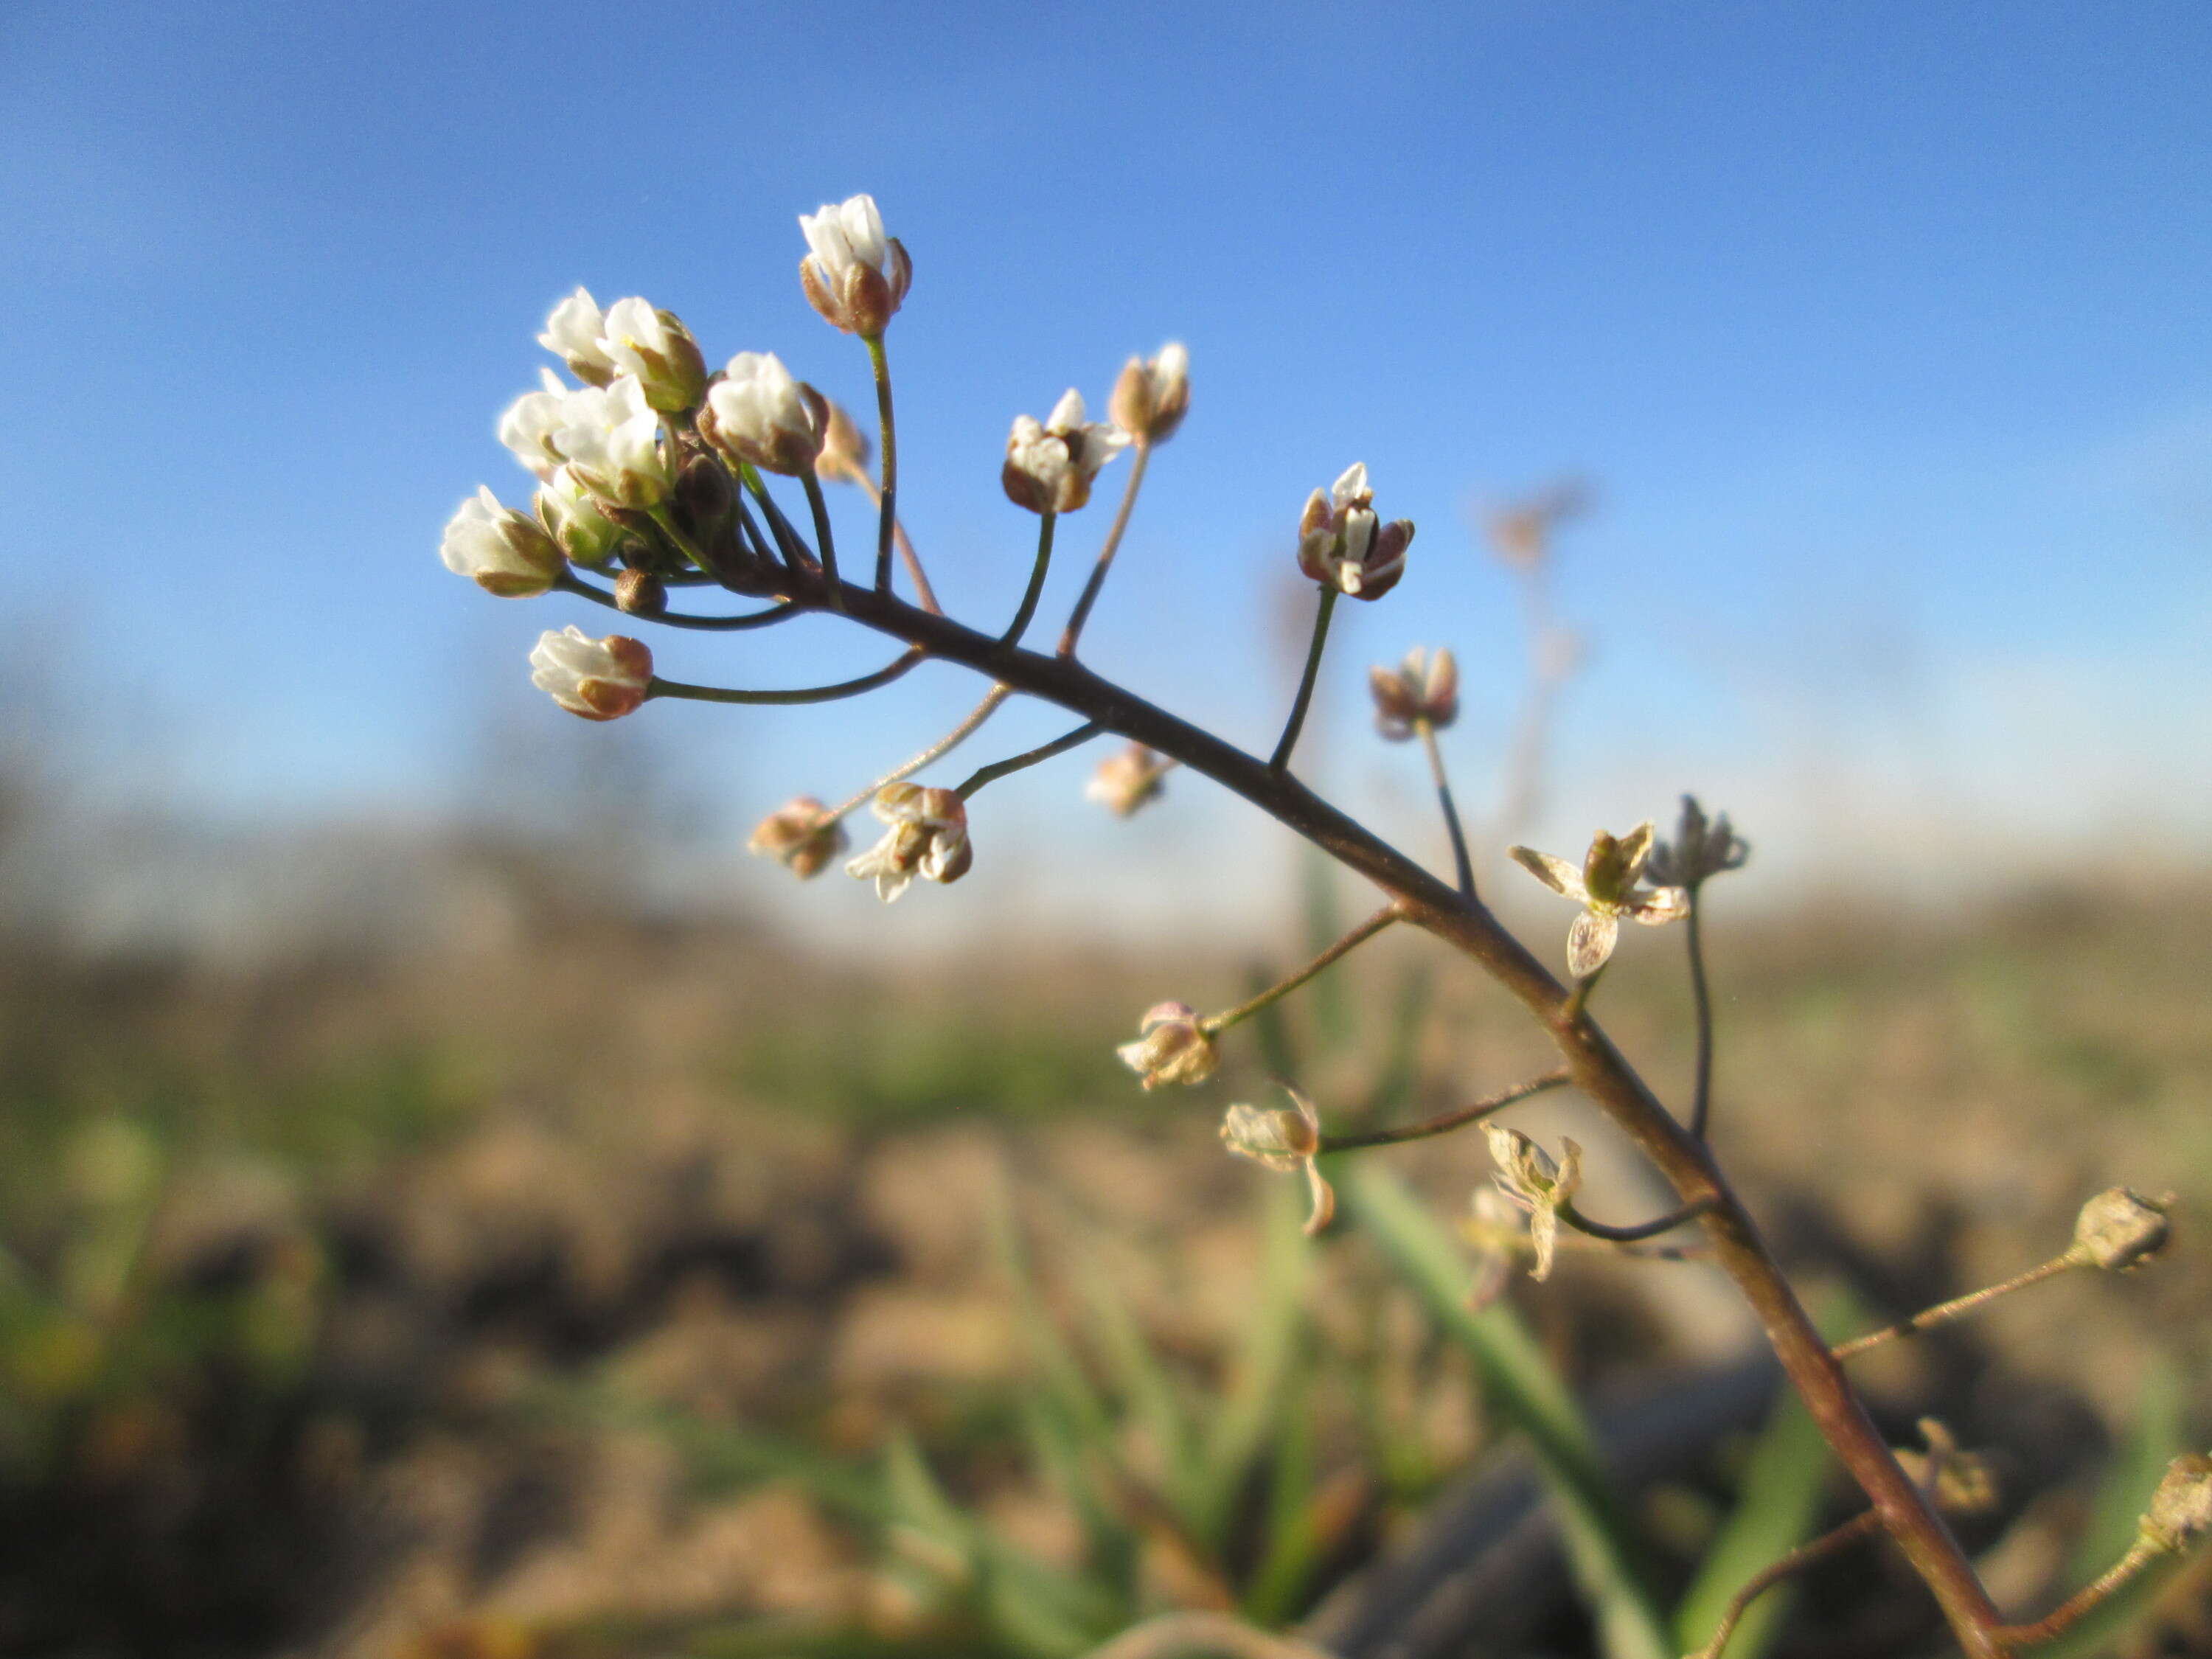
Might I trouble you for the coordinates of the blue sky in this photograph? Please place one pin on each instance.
(1881, 330)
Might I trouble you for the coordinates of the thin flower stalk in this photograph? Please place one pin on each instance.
(1034, 590)
(1042, 752)
(923, 591)
(1281, 760)
(1214, 1025)
(1701, 1098)
(1864, 1524)
(959, 735)
(1636, 1235)
(1958, 1307)
(1463, 864)
(854, 687)
(1081, 614)
(887, 491)
(825, 543)
(2085, 1601)
(778, 612)
(1444, 1122)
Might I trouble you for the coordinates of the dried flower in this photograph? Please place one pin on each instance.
(845, 447)
(1425, 687)
(2181, 1507)
(928, 836)
(1150, 399)
(854, 276)
(656, 348)
(1342, 544)
(1606, 887)
(506, 553)
(1050, 467)
(1960, 1482)
(802, 835)
(599, 679)
(1527, 1174)
(757, 412)
(576, 334)
(1172, 1045)
(528, 425)
(2120, 1229)
(1127, 779)
(1286, 1141)
(611, 441)
(1698, 850)
(1497, 1230)
(573, 520)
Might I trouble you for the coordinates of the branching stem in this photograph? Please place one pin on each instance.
(1212, 1024)
(569, 582)
(660, 687)
(1282, 760)
(1943, 1312)
(1081, 614)
(1445, 1122)
(1638, 1233)
(1043, 751)
(1861, 1525)
(823, 541)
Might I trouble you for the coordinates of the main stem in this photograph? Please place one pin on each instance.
(1596, 1066)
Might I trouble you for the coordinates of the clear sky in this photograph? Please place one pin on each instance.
(1881, 330)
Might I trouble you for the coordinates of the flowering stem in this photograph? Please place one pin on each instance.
(1045, 751)
(1461, 864)
(1212, 1024)
(787, 538)
(1943, 1312)
(981, 712)
(660, 687)
(922, 590)
(1036, 589)
(1081, 614)
(1638, 1233)
(2054, 1624)
(569, 582)
(1445, 1122)
(1701, 1099)
(1281, 759)
(823, 540)
(887, 502)
(1861, 1525)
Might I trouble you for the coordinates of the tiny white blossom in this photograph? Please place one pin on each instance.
(1172, 1045)
(802, 835)
(1285, 1141)
(1527, 1174)
(610, 439)
(856, 276)
(658, 350)
(1150, 399)
(598, 679)
(927, 837)
(576, 334)
(758, 413)
(1607, 887)
(528, 425)
(1050, 467)
(506, 553)
(1425, 687)
(1343, 545)
(573, 519)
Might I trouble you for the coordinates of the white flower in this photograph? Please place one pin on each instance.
(853, 274)
(611, 441)
(1526, 1174)
(1050, 467)
(1285, 1141)
(1607, 888)
(928, 836)
(1151, 397)
(1425, 687)
(504, 552)
(658, 350)
(528, 425)
(759, 414)
(576, 334)
(1172, 1045)
(1342, 544)
(599, 679)
(574, 521)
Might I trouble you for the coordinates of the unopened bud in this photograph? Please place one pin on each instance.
(856, 276)
(757, 412)
(656, 347)
(641, 593)
(598, 679)
(1127, 779)
(1151, 397)
(1424, 688)
(2181, 1508)
(504, 552)
(802, 835)
(1699, 849)
(1172, 1045)
(2120, 1229)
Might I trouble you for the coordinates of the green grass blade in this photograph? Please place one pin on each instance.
(1255, 1399)
(1602, 1548)
(1147, 1389)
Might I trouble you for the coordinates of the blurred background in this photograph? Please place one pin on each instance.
(455, 1201)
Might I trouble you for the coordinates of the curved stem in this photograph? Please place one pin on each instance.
(952, 740)
(1701, 1098)
(569, 582)
(1638, 1233)
(1212, 1024)
(1462, 866)
(1036, 589)
(1081, 614)
(1043, 751)
(2059, 1619)
(1861, 1525)
(1958, 1307)
(1445, 1122)
(823, 539)
(660, 687)
(1282, 756)
(887, 500)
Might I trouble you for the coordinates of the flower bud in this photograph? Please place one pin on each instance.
(853, 274)
(506, 553)
(802, 835)
(1422, 687)
(1172, 1045)
(641, 593)
(2181, 1507)
(570, 515)
(845, 447)
(575, 333)
(656, 348)
(598, 679)
(928, 837)
(2120, 1229)
(1126, 780)
(1699, 849)
(611, 441)
(757, 412)
(1342, 544)
(1050, 467)
(1151, 397)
